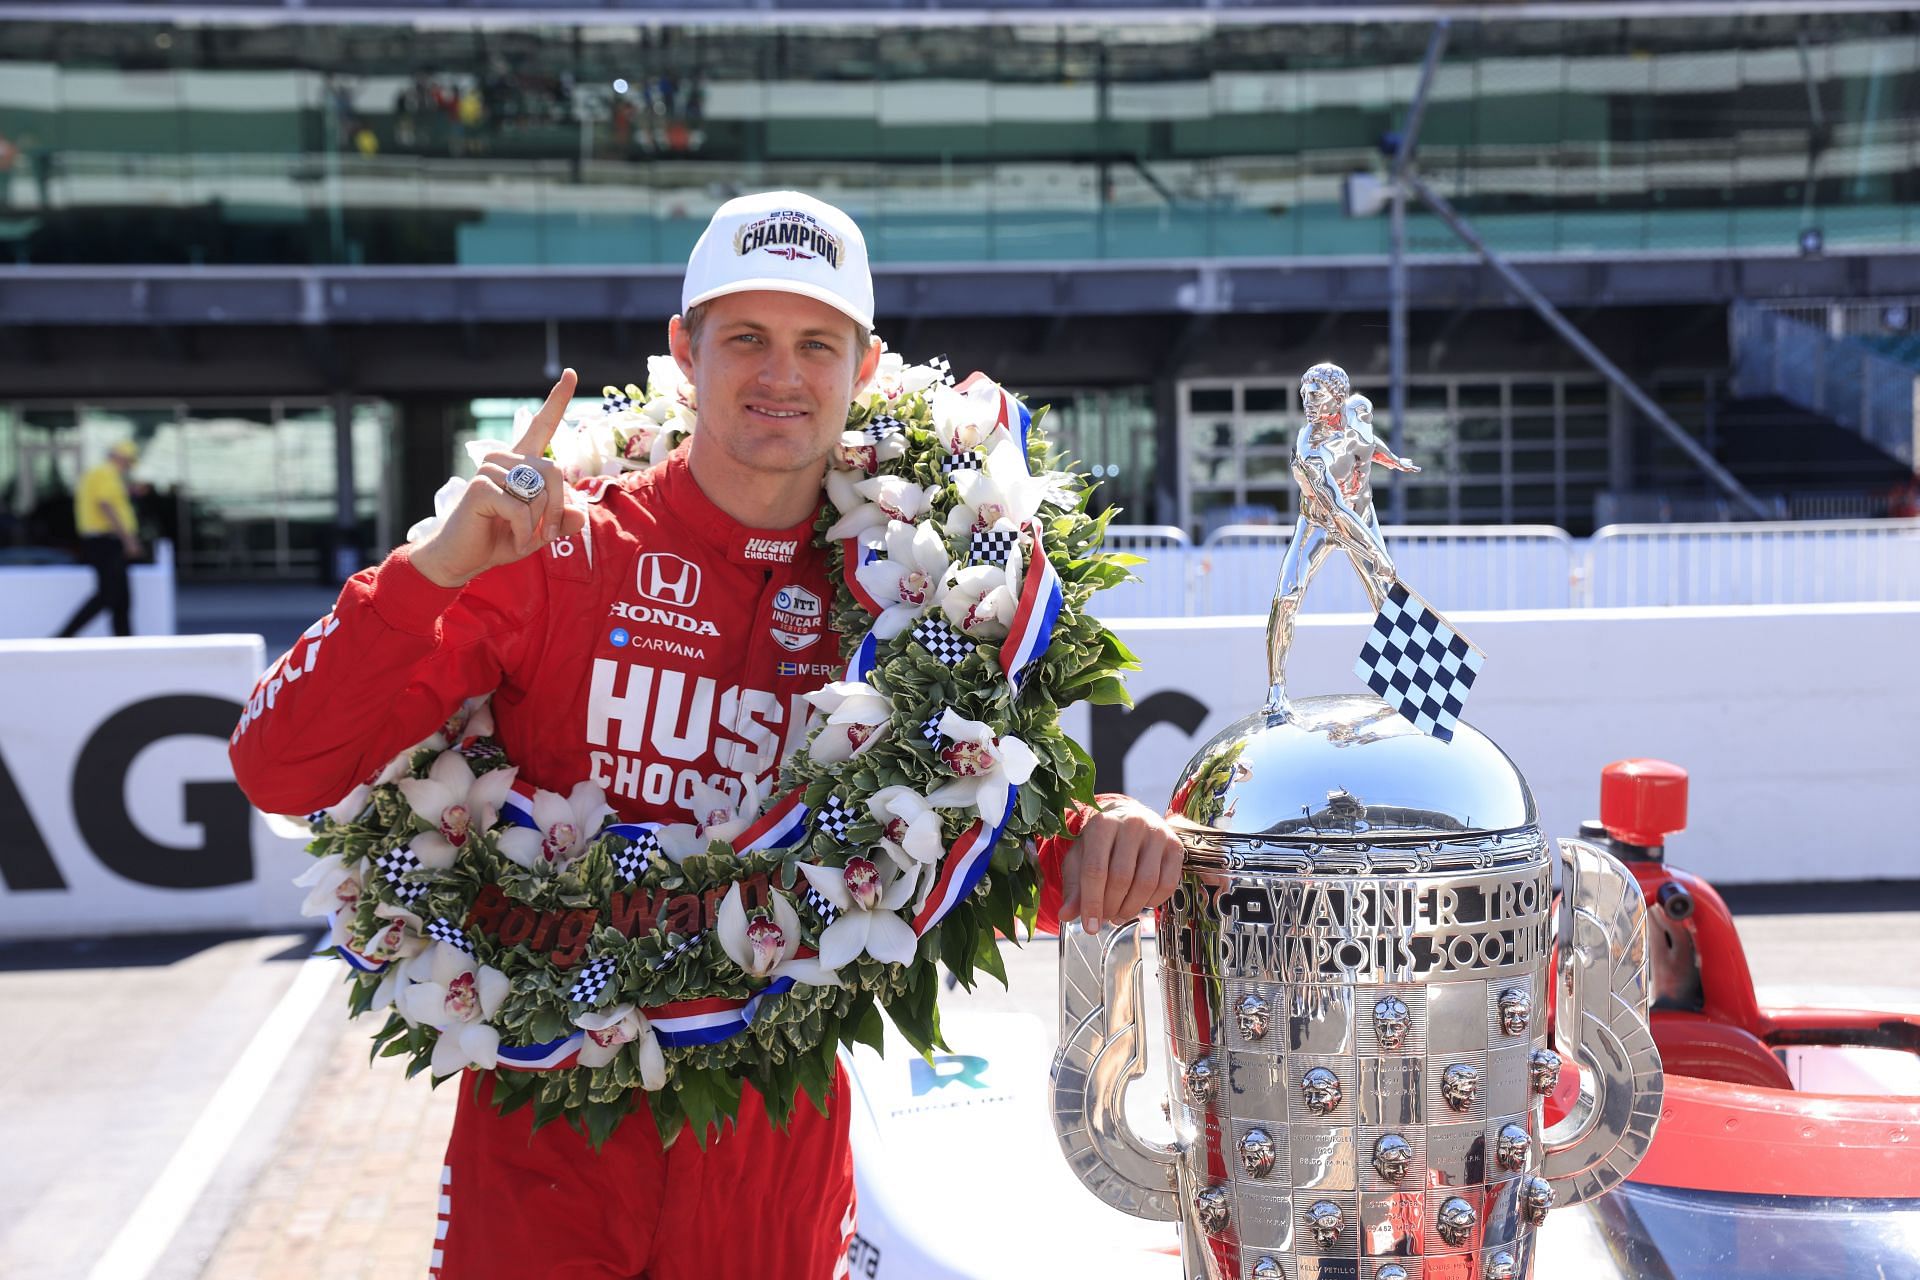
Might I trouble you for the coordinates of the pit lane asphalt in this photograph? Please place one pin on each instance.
(120, 1046)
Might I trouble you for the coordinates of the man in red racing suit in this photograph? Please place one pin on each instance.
(649, 642)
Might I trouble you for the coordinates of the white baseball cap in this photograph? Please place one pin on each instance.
(783, 242)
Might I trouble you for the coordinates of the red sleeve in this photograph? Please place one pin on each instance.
(1051, 852)
(378, 674)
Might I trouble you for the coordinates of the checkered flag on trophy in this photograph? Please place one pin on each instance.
(587, 987)
(942, 366)
(993, 546)
(441, 929)
(968, 460)
(820, 907)
(1415, 660)
(615, 400)
(834, 817)
(395, 865)
(942, 641)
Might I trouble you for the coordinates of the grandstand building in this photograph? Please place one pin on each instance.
(298, 251)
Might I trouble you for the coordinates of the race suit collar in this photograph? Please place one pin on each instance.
(742, 545)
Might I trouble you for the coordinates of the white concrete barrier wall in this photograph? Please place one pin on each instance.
(118, 809)
(37, 599)
(1799, 725)
(1801, 728)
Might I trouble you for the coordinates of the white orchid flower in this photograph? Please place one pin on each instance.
(858, 715)
(401, 938)
(762, 943)
(564, 826)
(967, 419)
(334, 888)
(909, 579)
(665, 379)
(909, 827)
(1002, 495)
(622, 1024)
(583, 450)
(857, 515)
(715, 817)
(456, 1000)
(456, 803)
(981, 599)
(983, 766)
(866, 898)
(636, 440)
(857, 451)
(893, 377)
(445, 499)
(897, 497)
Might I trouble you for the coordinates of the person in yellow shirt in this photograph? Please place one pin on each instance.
(109, 538)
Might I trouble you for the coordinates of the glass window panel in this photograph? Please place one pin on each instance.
(1268, 397)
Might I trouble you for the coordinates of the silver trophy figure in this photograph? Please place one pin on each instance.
(1356, 973)
(1332, 463)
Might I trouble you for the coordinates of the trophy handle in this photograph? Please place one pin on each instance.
(1601, 1024)
(1102, 1050)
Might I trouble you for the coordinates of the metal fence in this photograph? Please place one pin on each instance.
(1777, 354)
(1536, 567)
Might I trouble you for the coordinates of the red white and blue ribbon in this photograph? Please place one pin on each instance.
(780, 827)
(353, 958)
(962, 868)
(517, 808)
(866, 656)
(1041, 599)
(855, 552)
(554, 1055)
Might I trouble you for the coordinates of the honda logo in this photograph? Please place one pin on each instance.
(668, 578)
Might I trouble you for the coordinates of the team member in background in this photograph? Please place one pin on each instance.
(627, 632)
(109, 538)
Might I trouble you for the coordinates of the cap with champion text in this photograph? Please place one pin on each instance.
(782, 242)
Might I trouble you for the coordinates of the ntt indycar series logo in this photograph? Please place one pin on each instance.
(789, 234)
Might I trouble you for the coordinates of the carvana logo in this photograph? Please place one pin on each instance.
(619, 637)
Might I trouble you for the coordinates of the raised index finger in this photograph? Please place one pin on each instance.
(540, 430)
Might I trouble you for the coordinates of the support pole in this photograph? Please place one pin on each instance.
(1397, 268)
(1580, 343)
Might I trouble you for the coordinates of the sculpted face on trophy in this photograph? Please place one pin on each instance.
(1253, 1016)
(1543, 1070)
(1366, 913)
(1392, 1156)
(1321, 1088)
(1516, 1007)
(1391, 1020)
(1459, 1085)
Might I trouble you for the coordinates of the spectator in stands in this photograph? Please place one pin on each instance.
(109, 538)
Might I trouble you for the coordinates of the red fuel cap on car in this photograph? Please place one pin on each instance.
(1642, 802)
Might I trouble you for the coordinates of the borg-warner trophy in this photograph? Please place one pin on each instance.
(1356, 965)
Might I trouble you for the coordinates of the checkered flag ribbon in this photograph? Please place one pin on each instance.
(633, 857)
(1417, 662)
(993, 546)
(930, 730)
(394, 866)
(942, 641)
(441, 929)
(835, 817)
(970, 460)
(616, 400)
(592, 980)
(884, 426)
(941, 366)
(666, 961)
(820, 907)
